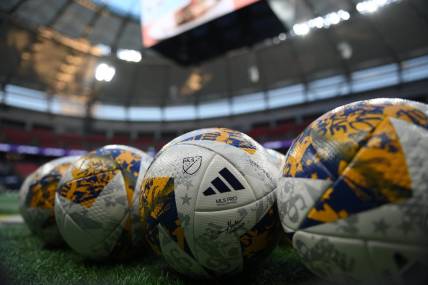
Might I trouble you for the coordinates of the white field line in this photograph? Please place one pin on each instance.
(11, 219)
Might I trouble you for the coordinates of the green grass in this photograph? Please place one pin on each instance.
(25, 261)
(9, 203)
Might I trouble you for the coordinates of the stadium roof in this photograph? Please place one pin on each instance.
(55, 46)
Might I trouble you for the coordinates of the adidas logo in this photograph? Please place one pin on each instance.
(222, 187)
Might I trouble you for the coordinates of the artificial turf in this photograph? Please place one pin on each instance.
(9, 203)
(23, 260)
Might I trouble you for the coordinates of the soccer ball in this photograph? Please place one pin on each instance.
(274, 157)
(277, 158)
(355, 192)
(207, 203)
(37, 196)
(93, 201)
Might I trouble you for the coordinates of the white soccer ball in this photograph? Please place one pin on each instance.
(355, 193)
(277, 159)
(208, 203)
(37, 196)
(94, 198)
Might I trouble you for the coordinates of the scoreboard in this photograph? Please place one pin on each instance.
(163, 19)
(193, 31)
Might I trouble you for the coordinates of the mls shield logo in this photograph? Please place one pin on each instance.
(191, 164)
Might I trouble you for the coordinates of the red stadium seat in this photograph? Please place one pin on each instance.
(25, 168)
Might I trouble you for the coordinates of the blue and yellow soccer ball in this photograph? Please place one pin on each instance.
(354, 192)
(37, 197)
(208, 203)
(93, 201)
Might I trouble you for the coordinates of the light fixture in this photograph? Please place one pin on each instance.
(282, 36)
(344, 15)
(129, 55)
(332, 19)
(345, 50)
(102, 49)
(317, 22)
(253, 73)
(301, 29)
(104, 72)
(367, 7)
(371, 6)
(320, 22)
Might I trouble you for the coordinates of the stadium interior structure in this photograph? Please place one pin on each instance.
(74, 74)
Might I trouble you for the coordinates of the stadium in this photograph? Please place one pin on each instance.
(77, 75)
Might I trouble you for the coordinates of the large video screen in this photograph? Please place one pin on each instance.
(163, 19)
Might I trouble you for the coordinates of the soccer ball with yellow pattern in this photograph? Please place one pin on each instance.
(208, 205)
(93, 201)
(37, 196)
(355, 192)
